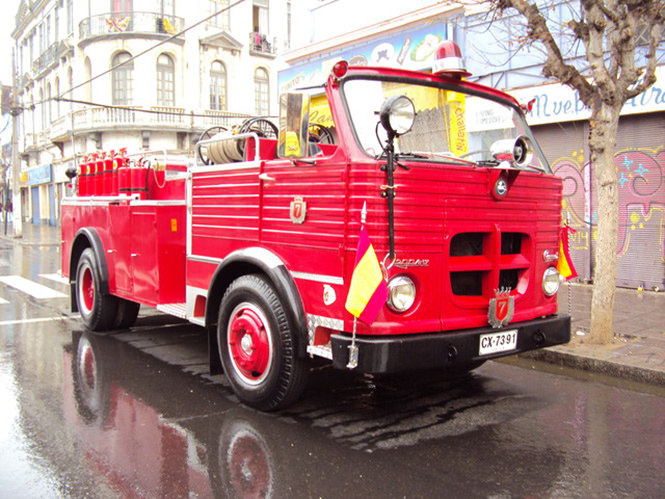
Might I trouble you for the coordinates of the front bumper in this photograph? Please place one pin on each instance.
(389, 354)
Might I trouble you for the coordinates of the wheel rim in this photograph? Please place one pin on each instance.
(86, 287)
(249, 342)
(249, 464)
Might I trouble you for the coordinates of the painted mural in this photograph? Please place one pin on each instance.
(641, 245)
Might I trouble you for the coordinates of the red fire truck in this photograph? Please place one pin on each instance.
(255, 238)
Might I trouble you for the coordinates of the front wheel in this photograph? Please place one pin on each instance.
(257, 345)
(97, 310)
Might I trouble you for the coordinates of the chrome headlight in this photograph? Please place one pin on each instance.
(551, 281)
(401, 293)
(397, 115)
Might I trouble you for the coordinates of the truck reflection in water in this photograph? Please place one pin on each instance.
(194, 439)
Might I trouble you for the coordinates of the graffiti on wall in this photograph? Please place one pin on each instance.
(641, 176)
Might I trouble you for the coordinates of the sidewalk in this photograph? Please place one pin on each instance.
(638, 352)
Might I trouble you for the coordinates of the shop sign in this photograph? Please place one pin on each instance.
(42, 174)
(557, 103)
(409, 49)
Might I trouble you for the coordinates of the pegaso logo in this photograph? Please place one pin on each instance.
(405, 263)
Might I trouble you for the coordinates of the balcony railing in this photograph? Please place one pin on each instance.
(91, 119)
(118, 24)
(260, 44)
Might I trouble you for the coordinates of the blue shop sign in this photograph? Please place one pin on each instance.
(42, 174)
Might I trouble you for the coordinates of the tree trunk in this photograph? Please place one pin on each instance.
(602, 145)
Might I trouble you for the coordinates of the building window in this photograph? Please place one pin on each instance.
(260, 16)
(165, 81)
(57, 96)
(221, 20)
(217, 86)
(70, 16)
(121, 6)
(121, 78)
(262, 92)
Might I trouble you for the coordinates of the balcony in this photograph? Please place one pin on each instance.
(260, 45)
(100, 119)
(143, 24)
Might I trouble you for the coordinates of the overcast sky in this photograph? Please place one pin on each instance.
(6, 42)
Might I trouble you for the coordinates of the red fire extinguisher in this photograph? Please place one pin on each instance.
(92, 175)
(99, 175)
(124, 179)
(107, 190)
(83, 177)
(138, 173)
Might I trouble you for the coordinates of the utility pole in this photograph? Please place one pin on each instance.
(16, 164)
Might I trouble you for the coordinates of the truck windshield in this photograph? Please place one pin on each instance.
(450, 126)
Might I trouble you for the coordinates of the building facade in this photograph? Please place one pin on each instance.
(145, 75)
(401, 34)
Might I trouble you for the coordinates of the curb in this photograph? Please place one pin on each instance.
(596, 365)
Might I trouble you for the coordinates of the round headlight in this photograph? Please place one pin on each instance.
(397, 115)
(401, 293)
(551, 281)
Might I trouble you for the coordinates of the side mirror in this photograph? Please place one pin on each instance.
(293, 125)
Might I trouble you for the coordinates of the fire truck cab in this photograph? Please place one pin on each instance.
(255, 238)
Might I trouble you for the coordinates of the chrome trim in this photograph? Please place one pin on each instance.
(242, 165)
(162, 202)
(205, 259)
(327, 279)
(191, 293)
(314, 321)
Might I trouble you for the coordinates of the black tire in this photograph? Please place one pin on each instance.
(246, 466)
(98, 311)
(257, 346)
(127, 313)
(90, 380)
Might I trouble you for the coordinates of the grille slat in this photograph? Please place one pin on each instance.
(478, 267)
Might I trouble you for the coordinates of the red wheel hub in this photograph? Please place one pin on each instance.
(87, 289)
(249, 343)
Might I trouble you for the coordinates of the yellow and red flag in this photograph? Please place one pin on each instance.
(565, 264)
(368, 290)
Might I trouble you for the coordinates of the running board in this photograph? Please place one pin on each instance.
(175, 309)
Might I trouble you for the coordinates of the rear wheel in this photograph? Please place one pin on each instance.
(97, 310)
(127, 313)
(257, 345)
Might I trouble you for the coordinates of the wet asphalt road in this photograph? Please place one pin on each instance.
(133, 414)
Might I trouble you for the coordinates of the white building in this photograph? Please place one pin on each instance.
(172, 87)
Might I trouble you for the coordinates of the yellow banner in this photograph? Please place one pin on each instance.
(456, 110)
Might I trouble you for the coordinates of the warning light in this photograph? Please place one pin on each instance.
(340, 68)
(449, 62)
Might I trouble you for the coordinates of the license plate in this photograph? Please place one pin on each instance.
(498, 342)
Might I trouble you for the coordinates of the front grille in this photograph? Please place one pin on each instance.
(481, 262)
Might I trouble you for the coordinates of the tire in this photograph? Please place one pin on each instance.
(98, 311)
(127, 313)
(257, 346)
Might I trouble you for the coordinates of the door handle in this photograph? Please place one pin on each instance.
(266, 177)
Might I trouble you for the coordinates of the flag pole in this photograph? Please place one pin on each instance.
(353, 348)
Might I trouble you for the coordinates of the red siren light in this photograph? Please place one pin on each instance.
(340, 68)
(449, 61)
